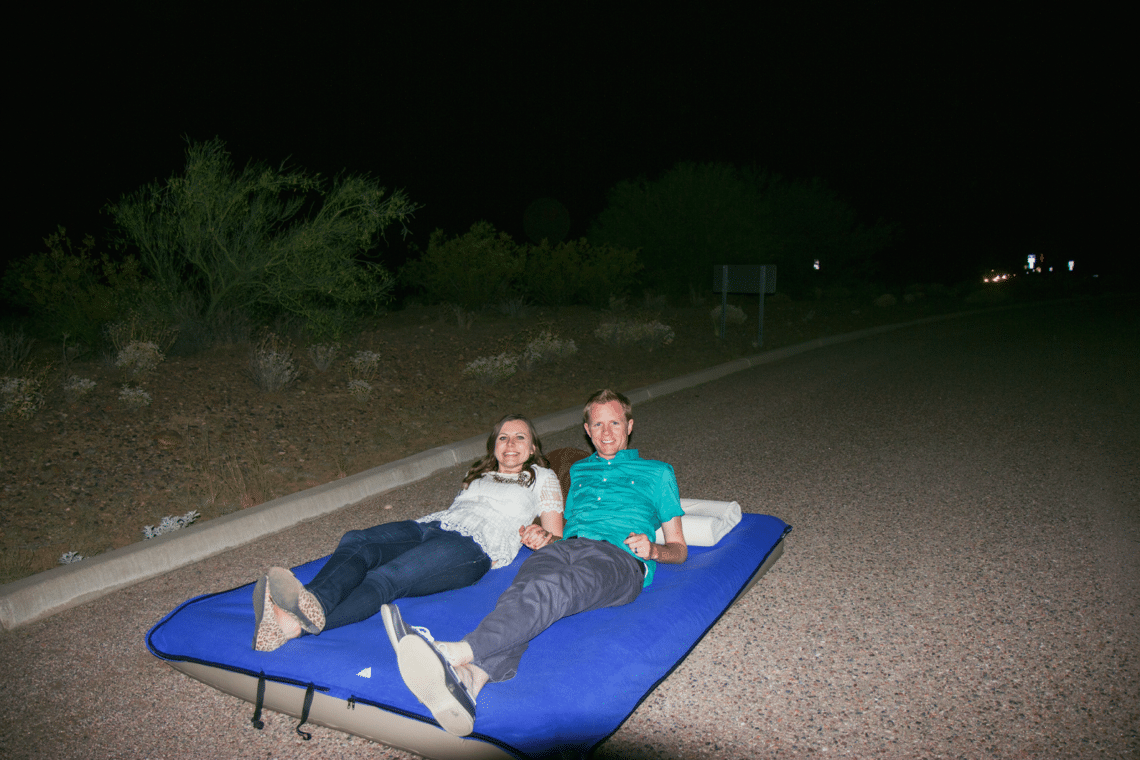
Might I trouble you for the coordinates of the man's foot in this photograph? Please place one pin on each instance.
(429, 676)
(394, 625)
(293, 598)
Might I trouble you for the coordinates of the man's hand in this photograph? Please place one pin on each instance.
(640, 545)
(535, 536)
(673, 552)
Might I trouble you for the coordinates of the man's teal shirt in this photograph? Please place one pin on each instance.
(611, 498)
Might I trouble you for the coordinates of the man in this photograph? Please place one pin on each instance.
(616, 503)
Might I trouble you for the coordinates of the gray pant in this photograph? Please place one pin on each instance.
(565, 578)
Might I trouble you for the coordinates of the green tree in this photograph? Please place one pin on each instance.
(240, 240)
(481, 267)
(576, 272)
(697, 215)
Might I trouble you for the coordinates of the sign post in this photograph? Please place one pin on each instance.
(752, 278)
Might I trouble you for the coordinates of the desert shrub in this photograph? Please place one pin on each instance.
(239, 240)
(138, 358)
(546, 348)
(323, 355)
(75, 388)
(364, 365)
(471, 271)
(170, 524)
(15, 347)
(733, 315)
(134, 398)
(576, 272)
(647, 335)
(491, 369)
(271, 364)
(361, 390)
(21, 397)
(74, 289)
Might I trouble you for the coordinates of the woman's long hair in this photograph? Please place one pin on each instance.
(489, 464)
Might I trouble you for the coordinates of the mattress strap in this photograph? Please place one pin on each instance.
(305, 713)
(257, 722)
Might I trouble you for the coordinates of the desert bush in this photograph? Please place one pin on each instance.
(546, 348)
(21, 397)
(364, 365)
(576, 272)
(647, 335)
(271, 364)
(471, 271)
(75, 388)
(138, 358)
(74, 289)
(733, 315)
(15, 347)
(323, 355)
(170, 524)
(361, 390)
(133, 398)
(491, 369)
(239, 240)
(145, 325)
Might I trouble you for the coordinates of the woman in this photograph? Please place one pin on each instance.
(490, 518)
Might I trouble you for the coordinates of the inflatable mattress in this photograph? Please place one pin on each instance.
(577, 683)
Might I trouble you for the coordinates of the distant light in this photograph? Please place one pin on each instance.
(817, 263)
(1070, 266)
(1032, 261)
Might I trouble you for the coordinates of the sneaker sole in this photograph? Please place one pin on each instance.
(424, 675)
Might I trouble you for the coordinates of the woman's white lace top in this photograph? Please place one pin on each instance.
(491, 512)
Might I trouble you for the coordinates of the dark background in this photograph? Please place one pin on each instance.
(986, 134)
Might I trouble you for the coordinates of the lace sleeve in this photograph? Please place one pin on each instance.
(550, 492)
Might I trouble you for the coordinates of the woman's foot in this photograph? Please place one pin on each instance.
(268, 632)
(293, 599)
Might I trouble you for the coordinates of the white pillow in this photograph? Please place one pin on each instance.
(705, 522)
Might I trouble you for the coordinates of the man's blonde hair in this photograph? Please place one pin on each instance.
(605, 396)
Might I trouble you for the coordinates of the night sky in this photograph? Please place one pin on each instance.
(987, 136)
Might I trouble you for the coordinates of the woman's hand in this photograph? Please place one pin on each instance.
(535, 536)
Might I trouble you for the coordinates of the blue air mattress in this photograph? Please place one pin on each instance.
(577, 682)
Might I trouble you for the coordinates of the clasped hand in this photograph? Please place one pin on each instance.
(535, 536)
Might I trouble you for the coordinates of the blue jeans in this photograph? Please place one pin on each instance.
(378, 565)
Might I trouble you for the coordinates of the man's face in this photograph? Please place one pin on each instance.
(608, 429)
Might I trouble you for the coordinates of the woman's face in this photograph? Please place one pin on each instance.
(513, 446)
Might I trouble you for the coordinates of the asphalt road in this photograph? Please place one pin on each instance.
(963, 578)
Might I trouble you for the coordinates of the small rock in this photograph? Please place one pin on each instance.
(168, 438)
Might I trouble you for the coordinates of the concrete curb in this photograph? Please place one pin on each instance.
(44, 594)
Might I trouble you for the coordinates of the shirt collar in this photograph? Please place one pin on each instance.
(623, 454)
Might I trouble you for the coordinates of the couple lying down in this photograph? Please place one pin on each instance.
(597, 552)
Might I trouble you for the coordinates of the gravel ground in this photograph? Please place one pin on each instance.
(962, 580)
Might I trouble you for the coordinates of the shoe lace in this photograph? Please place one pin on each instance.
(440, 646)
